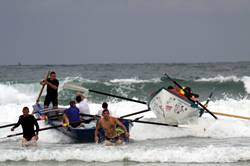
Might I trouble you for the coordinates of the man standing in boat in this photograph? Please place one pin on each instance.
(52, 90)
(28, 122)
(109, 125)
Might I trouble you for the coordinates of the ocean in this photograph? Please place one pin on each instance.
(210, 142)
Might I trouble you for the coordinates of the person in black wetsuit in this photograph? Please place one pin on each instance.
(52, 90)
(28, 122)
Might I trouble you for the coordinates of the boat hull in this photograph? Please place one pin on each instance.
(86, 135)
(172, 109)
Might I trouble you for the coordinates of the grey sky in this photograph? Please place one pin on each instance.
(120, 31)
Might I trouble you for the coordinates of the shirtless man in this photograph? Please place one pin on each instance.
(109, 123)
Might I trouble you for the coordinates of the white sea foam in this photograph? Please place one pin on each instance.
(77, 79)
(246, 81)
(16, 94)
(133, 152)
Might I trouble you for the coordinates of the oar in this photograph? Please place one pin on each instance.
(231, 115)
(154, 123)
(12, 124)
(224, 114)
(41, 91)
(47, 110)
(177, 84)
(135, 113)
(85, 90)
(43, 129)
(135, 120)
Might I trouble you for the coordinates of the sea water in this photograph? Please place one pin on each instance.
(204, 142)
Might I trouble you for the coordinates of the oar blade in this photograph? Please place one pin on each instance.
(75, 87)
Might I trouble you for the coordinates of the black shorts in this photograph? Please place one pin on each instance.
(49, 99)
(28, 136)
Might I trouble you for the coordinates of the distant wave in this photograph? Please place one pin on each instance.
(135, 80)
(221, 79)
(78, 79)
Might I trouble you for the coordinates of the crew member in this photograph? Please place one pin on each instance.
(27, 122)
(109, 125)
(72, 115)
(52, 90)
(104, 107)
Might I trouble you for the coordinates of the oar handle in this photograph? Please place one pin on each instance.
(202, 106)
(8, 125)
(41, 91)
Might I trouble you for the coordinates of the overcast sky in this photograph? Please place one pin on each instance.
(123, 31)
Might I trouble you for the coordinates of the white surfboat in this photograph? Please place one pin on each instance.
(172, 109)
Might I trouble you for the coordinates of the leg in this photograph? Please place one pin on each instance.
(119, 142)
(34, 141)
(55, 102)
(24, 142)
(47, 102)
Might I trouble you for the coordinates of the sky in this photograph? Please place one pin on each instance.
(124, 31)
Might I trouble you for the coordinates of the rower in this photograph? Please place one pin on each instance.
(109, 124)
(104, 107)
(72, 116)
(27, 122)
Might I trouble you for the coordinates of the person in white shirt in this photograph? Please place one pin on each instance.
(104, 107)
(83, 106)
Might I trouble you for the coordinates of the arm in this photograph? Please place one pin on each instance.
(65, 120)
(51, 85)
(122, 126)
(42, 82)
(17, 124)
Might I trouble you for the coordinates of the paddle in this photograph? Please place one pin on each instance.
(135, 113)
(85, 91)
(43, 129)
(177, 84)
(208, 99)
(12, 124)
(41, 91)
(224, 114)
(154, 123)
(135, 120)
(47, 110)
